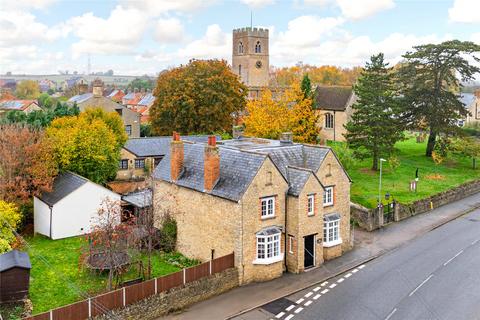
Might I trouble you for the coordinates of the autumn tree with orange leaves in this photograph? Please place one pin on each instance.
(27, 167)
(203, 96)
(321, 75)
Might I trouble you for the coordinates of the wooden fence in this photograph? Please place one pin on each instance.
(120, 298)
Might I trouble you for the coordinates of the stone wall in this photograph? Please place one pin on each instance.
(178, 298)
(371, 219)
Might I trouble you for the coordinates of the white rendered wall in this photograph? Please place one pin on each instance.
(41, 217)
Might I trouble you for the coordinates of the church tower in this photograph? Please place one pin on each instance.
(250, 56)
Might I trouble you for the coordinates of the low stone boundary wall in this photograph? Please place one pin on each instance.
(371, 219)
(177, 298)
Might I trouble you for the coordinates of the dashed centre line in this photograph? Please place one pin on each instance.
(449, 260)
(316, 297)
(421, 284)
(324, 291)
(475, 241)
(309, 302)
(391, 314)
(298, 310)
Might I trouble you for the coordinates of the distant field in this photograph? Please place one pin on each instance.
(433, 178)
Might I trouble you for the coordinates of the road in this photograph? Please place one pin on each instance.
(435, 276)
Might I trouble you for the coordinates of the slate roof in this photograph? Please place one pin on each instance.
(81, 97)
(237, 170)
(297, 179)
(467, 99)
(332, 97)
(157, 146)
(16, 104)
(14, 259)
(63, 185)
(140, 199)
(147, 100)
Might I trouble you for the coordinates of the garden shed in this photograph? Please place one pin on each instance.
(14, 276)
(71, 208)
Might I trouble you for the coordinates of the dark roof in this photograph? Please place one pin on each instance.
(14, 259)
(158, 146)
(297, 179)
(237, 170)
(332, 97)
(64, 184)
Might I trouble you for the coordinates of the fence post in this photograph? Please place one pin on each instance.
(124, 297)
(156, 288)
(89, 307)
(210, 267)
(184, 278)
(51, 314)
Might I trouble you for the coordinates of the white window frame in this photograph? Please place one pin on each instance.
(311, 205)
(290, 244)
(331, 233)
(328, 197)
(269, 204)
(269, 249)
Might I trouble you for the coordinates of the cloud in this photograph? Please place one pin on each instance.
(466, 11)
(6, 5)
(169, 31)
(117, 34)
(214, 44)
(258, 3)
(356, 9)
(158, 7)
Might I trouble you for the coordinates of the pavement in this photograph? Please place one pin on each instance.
(246, 302)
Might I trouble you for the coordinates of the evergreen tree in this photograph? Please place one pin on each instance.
(430, 81)
(375, 126)
(306, 86)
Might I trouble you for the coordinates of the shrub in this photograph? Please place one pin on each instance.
(168, 234)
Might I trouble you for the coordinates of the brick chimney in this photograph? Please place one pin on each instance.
(211, 164)
(176, 156)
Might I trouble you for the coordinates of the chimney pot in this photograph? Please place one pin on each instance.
(211, 163)
(176, 156)
(212, 141)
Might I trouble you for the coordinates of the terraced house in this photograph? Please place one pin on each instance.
(278, 205)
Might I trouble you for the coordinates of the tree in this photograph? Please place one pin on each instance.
(268, 117)
(145, 130)
(88, 144)
(200, 97)
(306, 86)
(141, 83)
(9, 220)
(45, 101)
(375, 126)
(28, 89)
(26, 163)
(467, 147)
(430, 80)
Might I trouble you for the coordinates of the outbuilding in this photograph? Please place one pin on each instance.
(71, 208)
(14, 275)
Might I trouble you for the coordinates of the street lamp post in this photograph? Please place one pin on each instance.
(380, 183)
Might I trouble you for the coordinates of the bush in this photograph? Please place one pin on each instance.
(177, 259)
(168, 234)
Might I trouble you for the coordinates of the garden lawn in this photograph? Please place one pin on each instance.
(57, 277)
(433, 178)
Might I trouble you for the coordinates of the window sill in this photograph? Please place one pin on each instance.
(269, 260)
(326, 205)
(310, 214)
(332, 243)
(268, 218)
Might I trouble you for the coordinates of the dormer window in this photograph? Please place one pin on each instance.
(258, 47)
(240, 47)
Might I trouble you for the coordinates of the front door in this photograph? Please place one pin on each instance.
(309, 254)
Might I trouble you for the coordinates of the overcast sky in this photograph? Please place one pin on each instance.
(147, 36)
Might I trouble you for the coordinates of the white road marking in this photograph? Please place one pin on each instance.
(281, 314)
(362, 266)
(316, 289)
(391, 314)
(449, 260)
(298, 310)
(333, 285)
(354, 270)
(309, 302)
(475, 241)
(308, 294)
(291, 307)
(300, 300)
(340, 280)
(324, 291)
(348, 275)
(316, 297)
(289, 317)
(421, 284)
(324, 283)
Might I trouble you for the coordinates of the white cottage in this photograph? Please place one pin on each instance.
(70, 208)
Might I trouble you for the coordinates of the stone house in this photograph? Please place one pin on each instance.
(333, 104)
(139, 156)
(26, 106)
(131, 119)
(472, 103)
(278, 205)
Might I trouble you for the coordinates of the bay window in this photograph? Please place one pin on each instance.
(268, 246)
(331, 230)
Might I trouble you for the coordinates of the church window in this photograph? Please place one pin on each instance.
(240, 47)
(258, 47)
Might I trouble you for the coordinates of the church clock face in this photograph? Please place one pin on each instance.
(258, 64)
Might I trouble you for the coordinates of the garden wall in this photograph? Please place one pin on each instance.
(371, 219)
(178, 298)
